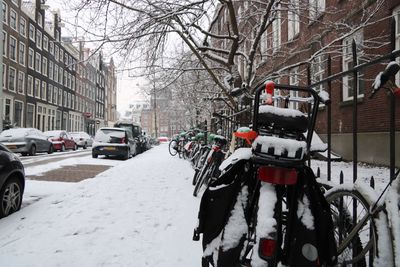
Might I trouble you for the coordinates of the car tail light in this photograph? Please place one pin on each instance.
(123, 140)
(277, 175)
(267, 248)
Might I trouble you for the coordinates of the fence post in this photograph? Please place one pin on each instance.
(371, 252)
(309, 105)
(318, 173)
(355, 110)
(329, 121)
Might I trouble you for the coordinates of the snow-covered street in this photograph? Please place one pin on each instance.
(139, 213)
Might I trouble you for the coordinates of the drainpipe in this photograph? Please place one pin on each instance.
(1, 75)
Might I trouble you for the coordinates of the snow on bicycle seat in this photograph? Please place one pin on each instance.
(282, 118)
(220, 139)
(279, 147)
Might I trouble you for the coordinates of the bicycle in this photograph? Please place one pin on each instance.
(374, 233)
(266, 190)
(211, 159)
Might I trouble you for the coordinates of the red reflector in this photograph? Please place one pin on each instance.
(267, 248)
(216, 148)
(397, 92)
(123, 140)
(277, 175)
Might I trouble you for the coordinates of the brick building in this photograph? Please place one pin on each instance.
(303, 34)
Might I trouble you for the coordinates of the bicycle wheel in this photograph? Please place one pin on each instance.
(354, 228)
(204, 177)
(173, 147)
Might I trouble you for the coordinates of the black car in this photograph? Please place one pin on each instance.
(110, 141)
(12, 182)
(137, 133)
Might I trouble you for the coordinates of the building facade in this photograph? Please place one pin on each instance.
(48, 81)
(295, 47)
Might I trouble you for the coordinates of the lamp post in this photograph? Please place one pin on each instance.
(155, 110)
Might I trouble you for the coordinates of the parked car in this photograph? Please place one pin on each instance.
(12, 182)
(163, 139)
(26, 141)
(61, 140)
(82, 139)
(110, 141)
(136, 131)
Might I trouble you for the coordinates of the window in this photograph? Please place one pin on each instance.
(60, 97)
(30, 115)
(60, 75)
(44, 66)
(294, 80)
(51, 48)
(40, 20)
(38, 39)
(317, 7)
(51, 69)
(65, 99)
(7, 109)
(37, 88)
(38, 62)
(31, 58)
(13, 19)
(4, 75)
(4, 44)
(31, 32)
(56, 52)
(293, 19)
(22, 26)
(50, 93)
(21, 55)
(276, 31)
(45, 43)
(11, 79)
(55, 95)
(29, 86)
(21, 82)
(347, 64)
(44, 90)
(5, 13)
(13, 48)
(15, 2)
(317, 71)
(55, 72)
(18, 108)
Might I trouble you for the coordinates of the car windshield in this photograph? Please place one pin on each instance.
(16, 133)
(105, 135)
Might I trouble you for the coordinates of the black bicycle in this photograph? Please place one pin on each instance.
(271, 209)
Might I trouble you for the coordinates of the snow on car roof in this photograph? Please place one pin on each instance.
(15, 132)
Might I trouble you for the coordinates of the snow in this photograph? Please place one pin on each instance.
(238, 154)
(324, 95)
(280, 145)
(285, 112)
(304, 213)
(265, 227)
(139, 213)
(377, 82)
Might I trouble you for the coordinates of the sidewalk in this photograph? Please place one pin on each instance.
(138, 213)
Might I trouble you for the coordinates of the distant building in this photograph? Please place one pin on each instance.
(48, 81)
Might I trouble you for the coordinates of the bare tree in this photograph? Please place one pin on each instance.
(233, 41)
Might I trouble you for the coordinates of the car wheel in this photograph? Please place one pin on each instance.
(94, 156)
(85, 146)
(51, 149)
(127, 155)
(75, 147)
(24, 154)
(62, 148)
(32, 151)
(11, 197)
